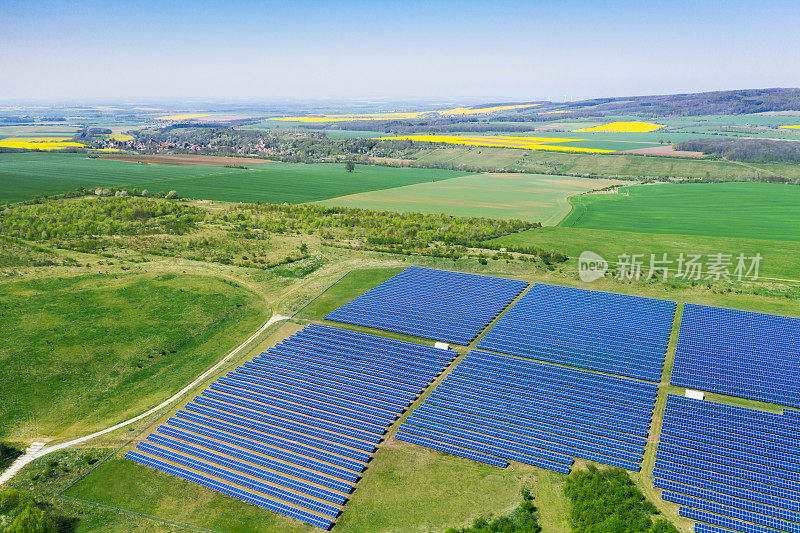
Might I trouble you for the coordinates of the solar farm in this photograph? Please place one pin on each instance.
(545, 375)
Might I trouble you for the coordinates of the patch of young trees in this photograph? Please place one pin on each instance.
(112, 215)
(19, 513)
(607, 500)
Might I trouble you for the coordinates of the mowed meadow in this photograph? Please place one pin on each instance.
(769, 211)
(532, 197)
(26, 175)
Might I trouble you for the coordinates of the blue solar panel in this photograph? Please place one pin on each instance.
(614, 333)
(739, 353)
(231, 490)
(434, 304)
(292, 429)
(537, 413)
(729, 466)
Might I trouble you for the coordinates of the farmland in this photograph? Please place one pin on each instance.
(778, 256)
(537, 198)
(113, 304)
(607, 165)
(400, 115)
(523, 143)
(39, 143)
(23, 176)
(622, 127)
(745, 210)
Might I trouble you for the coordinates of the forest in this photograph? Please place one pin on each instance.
(746, 150)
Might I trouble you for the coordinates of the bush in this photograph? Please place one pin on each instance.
(607, 500)
(524, 519)
(21, 513)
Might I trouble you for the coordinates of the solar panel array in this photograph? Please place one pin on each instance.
(730, 467)
(739, 353)
(293, 429)
(433, 304)
(614, 333)
(496, 408)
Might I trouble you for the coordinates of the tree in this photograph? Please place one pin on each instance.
(349, 166)
(31, 519)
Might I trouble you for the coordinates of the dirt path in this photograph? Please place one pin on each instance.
(33, 454)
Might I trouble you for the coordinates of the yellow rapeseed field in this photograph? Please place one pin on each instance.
(39, 143)
(796, 127)
(120, 137)
(404, 116)
(525, 143)
(623, 127)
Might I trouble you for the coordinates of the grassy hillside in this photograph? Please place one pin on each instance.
(537, 198)
(82, 352)
(779, 257)
(611, 165)
(744, 210)
(25, 175)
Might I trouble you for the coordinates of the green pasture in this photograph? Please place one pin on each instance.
(744, 210)
(25, 175)
(779, 257)
(533, 197)
(83, 352)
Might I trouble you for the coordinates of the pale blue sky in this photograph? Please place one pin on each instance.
(383, 49)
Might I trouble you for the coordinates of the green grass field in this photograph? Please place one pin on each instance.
(537, 198)
(779, 257)
(744, 210)
(25, 175)
(83, 352)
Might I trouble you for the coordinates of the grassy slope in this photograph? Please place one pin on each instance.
(779, 257)
(23, 176)
(67, 354)
(743, 210)
(612, 165)
(538, 198)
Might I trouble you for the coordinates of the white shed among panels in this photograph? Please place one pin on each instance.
(695, 394)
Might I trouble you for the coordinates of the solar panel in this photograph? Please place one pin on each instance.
(729, 466)
(292, 429)
(739, 353)
(538, 413)
(434, 304)
(614, 333)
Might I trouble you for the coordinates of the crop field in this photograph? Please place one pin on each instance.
(37, 130)
(533, 197)
(609, 165)
(39, 143)
(523, 143)
(60, 331)
(457, 111)
(745, 210)
(25, 175)
(623, 127)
